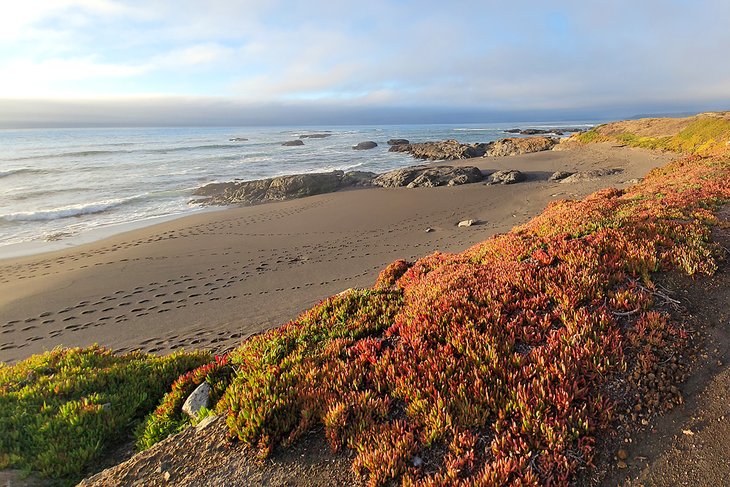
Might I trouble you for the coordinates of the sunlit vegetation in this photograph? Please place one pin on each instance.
(488, 367)
(706, 135)
(59, 410)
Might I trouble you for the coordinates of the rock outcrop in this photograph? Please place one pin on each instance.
(368, 144)
(559, 175)
(291, 143)
(448, 150)
(280, 188)
(515, 146)
(506, 177)
(429, 176)
(590, 175)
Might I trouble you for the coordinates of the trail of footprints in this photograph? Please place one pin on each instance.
(43, 267)
(209, 285)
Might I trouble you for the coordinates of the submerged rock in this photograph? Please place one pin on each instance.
(280, 188)
(238, 139)
(368, 144)
(291, 143)
(506, 177)
(429, 176)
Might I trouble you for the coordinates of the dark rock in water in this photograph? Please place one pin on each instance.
(559, 175)
(442, 150)
(515, 146)
(429, 176)
(556, 131)
(506, 177)
(238, 139)
(398, 141)
(280, 188)
(368, 144)
(314, 136)
(290, 143)
(590, 175)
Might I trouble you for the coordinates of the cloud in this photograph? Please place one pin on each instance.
(54, 77)
(488, 54)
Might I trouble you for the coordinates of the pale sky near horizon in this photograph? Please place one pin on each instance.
(61, 59)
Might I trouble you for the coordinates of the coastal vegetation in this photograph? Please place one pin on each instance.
(493, 366)
(503, 364)
(61, 409)
(705, 134)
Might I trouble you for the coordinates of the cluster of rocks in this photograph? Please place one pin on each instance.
(429, 176)
(552, 131)
(300, 185)
(445, 150)
(280, 188)
(452, 149)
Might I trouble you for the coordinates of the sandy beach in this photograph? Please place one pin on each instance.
(212, 279)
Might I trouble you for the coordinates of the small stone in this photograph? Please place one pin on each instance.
(558, 175)
(429, 230)
(166, 476)
(622, 454)
(197, 400)
(206, 422)
(621, 464)
(466, 223)
(417, 461)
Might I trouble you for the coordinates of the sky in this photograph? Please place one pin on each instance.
(216, 62)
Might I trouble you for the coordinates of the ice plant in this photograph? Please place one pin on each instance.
(487, 367)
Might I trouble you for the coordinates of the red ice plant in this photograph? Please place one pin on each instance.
(488, 367)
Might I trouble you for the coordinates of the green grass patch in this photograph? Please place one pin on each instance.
(59, 410)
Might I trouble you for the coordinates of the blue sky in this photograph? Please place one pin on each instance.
(66, 60)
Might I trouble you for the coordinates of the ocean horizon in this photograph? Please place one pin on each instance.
(62, 183)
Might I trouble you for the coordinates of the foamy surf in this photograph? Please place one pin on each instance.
(69, 211)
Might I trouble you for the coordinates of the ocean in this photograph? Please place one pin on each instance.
(57, 184)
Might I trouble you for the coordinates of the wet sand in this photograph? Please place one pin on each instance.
(212, 279)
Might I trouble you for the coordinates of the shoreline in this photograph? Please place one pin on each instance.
(212, 279)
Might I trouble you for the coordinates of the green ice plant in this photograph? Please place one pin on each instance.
(60, 409)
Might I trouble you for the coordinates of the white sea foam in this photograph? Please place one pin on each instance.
(18, 171)
(68, 211)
